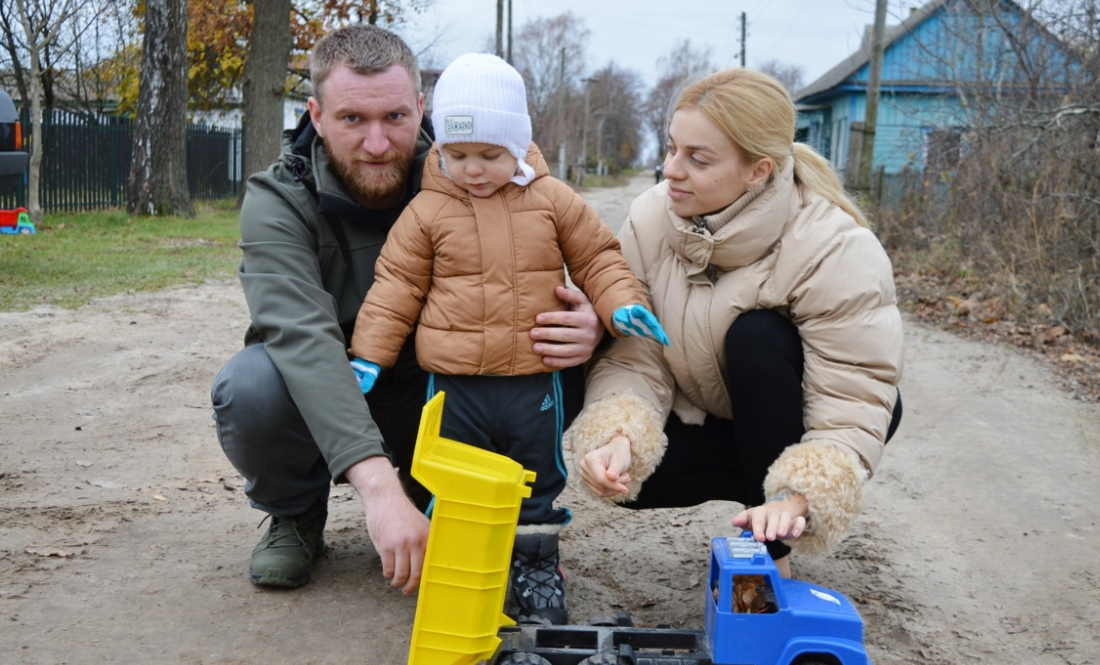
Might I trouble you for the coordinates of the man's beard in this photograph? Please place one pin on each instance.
(373, 184)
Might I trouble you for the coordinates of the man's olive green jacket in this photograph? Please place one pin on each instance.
(303, 296)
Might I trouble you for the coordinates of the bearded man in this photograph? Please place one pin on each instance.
(289, 412)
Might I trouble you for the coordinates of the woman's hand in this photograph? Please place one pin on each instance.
(606, 469)
(782, 517)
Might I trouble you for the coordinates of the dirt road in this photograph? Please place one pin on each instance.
(125, 534)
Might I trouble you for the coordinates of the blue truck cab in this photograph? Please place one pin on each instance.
(756, 617)
(753, 616)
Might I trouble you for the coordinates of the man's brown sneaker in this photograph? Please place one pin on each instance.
(284, 557)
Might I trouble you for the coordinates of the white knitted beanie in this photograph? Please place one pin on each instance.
(480, 98)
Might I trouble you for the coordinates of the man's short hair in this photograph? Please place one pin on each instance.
(365, 49)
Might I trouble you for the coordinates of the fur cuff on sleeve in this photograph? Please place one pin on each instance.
(832, 481)
(626, 414)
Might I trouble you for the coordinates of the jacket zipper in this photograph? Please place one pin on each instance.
(515, 290)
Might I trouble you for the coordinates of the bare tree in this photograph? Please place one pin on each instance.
(617, 103)
(1008, 192)
(103, 34)
(682, 64)
(158, 170)
(264, 85)
(13, 49)
(787, 74)
(42, 23)
(538, 57)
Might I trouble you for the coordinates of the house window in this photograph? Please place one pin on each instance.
(941, 150)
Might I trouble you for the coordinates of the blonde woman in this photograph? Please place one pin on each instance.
(779, 388)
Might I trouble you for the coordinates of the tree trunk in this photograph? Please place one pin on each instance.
(158, 171)
(264, 84)
(34, 173)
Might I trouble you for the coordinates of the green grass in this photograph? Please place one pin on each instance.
(76, 257)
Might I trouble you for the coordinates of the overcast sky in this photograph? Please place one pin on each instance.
(814, 34)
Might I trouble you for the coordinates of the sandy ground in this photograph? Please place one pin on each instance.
(125, 534)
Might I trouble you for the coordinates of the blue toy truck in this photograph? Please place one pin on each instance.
(753, 617)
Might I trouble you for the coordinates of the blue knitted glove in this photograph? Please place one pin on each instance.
(639, 321)
(366, 372)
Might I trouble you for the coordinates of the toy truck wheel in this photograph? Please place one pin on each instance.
(523, 659)
(603, 659)
(24, 231)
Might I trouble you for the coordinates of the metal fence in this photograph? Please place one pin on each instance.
(86, 162)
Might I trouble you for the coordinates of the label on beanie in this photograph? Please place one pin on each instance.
(458, 124)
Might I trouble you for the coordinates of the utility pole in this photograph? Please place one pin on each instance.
(874, 83)
(743, 20)
(602, 115)
(584, 130)
(510, 32)
(561, 118)
(500, 28)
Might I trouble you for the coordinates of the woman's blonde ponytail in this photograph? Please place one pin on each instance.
(756, 113)
(815, 173)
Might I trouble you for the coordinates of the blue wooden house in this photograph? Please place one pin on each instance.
(941, 66)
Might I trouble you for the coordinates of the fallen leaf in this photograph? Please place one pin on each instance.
(695, 579)
(160, 497)
(1051, 335)
(229, 486)
(49, 551)
(1073, 358)
(83, 463)
(962, 307)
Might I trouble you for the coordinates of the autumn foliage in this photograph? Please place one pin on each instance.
(217, 46)
(218, 34)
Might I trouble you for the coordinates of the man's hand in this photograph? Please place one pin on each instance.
(572, 336)
(606, 469)
(776, 519)
(398, 530)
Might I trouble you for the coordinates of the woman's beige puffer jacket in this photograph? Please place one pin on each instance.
(790, 250)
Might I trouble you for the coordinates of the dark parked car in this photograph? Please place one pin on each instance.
(13, 161)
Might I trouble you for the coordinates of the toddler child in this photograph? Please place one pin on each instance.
(473, 258)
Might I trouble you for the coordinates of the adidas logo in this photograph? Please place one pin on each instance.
(547, 404)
